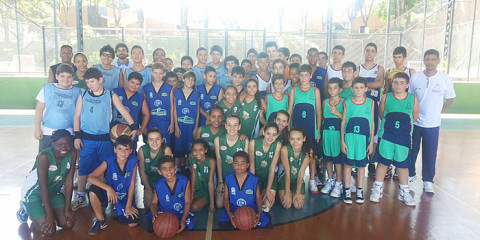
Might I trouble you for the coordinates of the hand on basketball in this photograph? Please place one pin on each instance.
(130, 211)
(257, 219)
(38, 134)
(78, 144)
(344, 148)
(178, 133)
(171, 128)
(111, 195)
(232, 217)
(154, 216)
(182, 226)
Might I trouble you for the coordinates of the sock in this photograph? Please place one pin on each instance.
(359, 189)
(403, 187)
(338, 183)
(377, 183)
(81, 194)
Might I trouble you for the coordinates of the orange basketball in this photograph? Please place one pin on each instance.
(118, 130)
(244, 218)
(166, 225)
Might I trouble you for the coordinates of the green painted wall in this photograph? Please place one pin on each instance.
(20, 93)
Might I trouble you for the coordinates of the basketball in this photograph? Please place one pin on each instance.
(166, 225)
(244, 218)
(392, 73)
(118, 130)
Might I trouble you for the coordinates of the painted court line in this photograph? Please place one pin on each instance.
(208, 235)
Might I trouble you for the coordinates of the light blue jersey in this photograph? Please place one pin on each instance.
(59, 106)
(96, 112)
(111, 77)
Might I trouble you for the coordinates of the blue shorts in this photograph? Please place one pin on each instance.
(264, 219)
(92, 155)
(335, 160)
(184, 143)
(355, 163)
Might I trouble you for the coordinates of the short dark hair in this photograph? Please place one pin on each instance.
(230, 59)
(252, 50)
(401, 75)
(246, 61)
(190, 75)
(171, 75)
(339, 47)
(284, 112)
(60, 133)
(154, 130)
(285, 51)
(216, 108)
(270, 125)
(66, 46)
(109, 49)
(276, 77)
(349, 64)
(64, 68)
(431, 52)
(238, 70)
(371, 44)
(241, 154)
(201, 142)
(336, 80)
(187, 58)
(310, 50)
(201, 49)
(305, 68)
(359, 80)
(279, 61)
(209, 69)
(93, 72)
(158, 49)
(296, 55)
(216, 48)
(119, 45)
(179, 70)
(323, 53)
(137, 46)
(262, 55)
(123, 140)
(294, 65)
(135, 75)
(271, 44)
(165, 159)
(400, 50)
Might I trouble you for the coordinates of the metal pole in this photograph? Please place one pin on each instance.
(329, 26)
(44, 51)
(18, 36)
(251, 42)
(400, 39)
(450, 36)
(245, 41)
(55, 28)
(471, 40)
(123, 34)
(79, 23)
(226, 42)
(264, 39)
(423, 33)
(188, 40)
(389, 13)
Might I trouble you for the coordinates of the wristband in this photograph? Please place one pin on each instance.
(133, 127)
(77, 134)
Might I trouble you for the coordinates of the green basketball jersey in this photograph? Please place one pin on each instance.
(309, 98)
(56, 176)
(347, 93)
(207, 135)
(263, 160)
(227, 152)
(235, 109)
(275, 105)
(397, 121)
(359, 117)
(295, 163)
(250, 118)
(331, 125)
(151, 164)
(202, 173)
(328, 105)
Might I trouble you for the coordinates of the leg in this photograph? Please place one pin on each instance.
(429, 153)
(339, 170)
(380, 172)
(360, 176)
(198, 204)
(347, 172)
(61, 219)
(313, 168)
(330, 170)
(44, 143)
(403, 175)
(416, 138)
(96, 196)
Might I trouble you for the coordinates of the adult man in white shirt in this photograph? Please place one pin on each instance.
(435, 93)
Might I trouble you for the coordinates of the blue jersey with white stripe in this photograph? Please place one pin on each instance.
(208, 99)
(370, 75)
(96, 112)
(158, 103)
(132, 104)
(120, 180)
(318, 78)
(146, 74)
(110, 76)
(245, 195)
(187, 108)
(59, 106)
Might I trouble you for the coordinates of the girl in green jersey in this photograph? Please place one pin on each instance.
(251, 114)
(202, 174)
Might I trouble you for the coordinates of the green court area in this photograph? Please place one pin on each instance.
(20, 93)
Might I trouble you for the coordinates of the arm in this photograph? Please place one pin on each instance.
(76, 122)
(173, 113)
(197, 133)
(220, 95)
(154, 206)
(38, 120)
(42, 172)
(226, 204)
(286, 167)
(325, 87)
(262, 114)
(318, 103)
(291, 100)
(378, 83)
(141, 170)
(416, 109)
(251, 155)
(271, 173)
(168, 151)
(388, 82)
(219, 161)
(205, 114)
(258, 197)
(188, 203)
(51, 78)
(246, 145)
(175, 120)
(211, 186)
(69, 187)
(198, 119)
(370, 148)
(130, 211)
(121, 79)
(145, 118)
(447, 104)
(301, 174)
(381, 107)
(342, 129)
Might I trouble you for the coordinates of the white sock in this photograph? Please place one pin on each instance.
(403, 187)
(379, 184)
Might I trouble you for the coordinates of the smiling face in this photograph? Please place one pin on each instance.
(122, 53)
(216, 57)
(155, 140)
(202, 56)
(230, 95)
(216, 118)
(106, 58)
(167, 170)
(281, 120)
(189, 82)
(133, 85)
(122, 151)
(137, 55)
(81, 63)
(263, 64)
(296, 139)
(237, 79)
(62, 146)
(66, 55)
(159, 56)
(157, 74)
(270, 134)
(199, 151)
(232, 126)
(252, 88)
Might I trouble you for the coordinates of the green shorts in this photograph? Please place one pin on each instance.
(201, 192)
(293, 185)
(356, 146)
(393, 151)
(331, 143)
(263, 182)
(36, 210)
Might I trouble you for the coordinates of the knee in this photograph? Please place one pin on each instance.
(194, 207)
(132, 225)
(286, 205)
(219, 204)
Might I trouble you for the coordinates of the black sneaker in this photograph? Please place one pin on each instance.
(97, 226)
(347, 196)
(359, 196)
(371, 170)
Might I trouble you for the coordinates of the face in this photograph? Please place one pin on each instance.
(263, 64)
(210, 77)
(157, 74)
(312, 58)
(122, 151)
(270, 134)
(216, 56)
(296, 139)
(337, 55)
(189, 82)
(252, 88)
(278, 85)
(370, 53)
(137, 55)
(348, 74)
(296, 60)
(202, 56)
(155, 140)
(65, 80)
(168, 170)
(333, 89)
(106, 58)
(359, 89)
(431, 62)
(272, 53)
(230, 95)
(247, 67)
(94, 84)
(281, 120)
(121, 53)
(81, 63)
(398, 59)
(252, 57)
(62, 146)
(278, 68)
(232, 126)
(229, 65)
(293, 73)
(133, 85)
(187, 65)
(159, 56)
(283, 57)
(399, 85)
(66, 55)
(216, 118)
(322, 60)
(240, 165)
(179, 77)
(169, 65)
(199, 151)
(172, 81)
(237, 79)
(305, 78)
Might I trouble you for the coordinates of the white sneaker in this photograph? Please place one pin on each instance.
(406, 197)
(313, 187)
(317, 181)
(377, 193)
(412, 179)
(78, 203)
(428, 187)
(328, 186)
(353, 189)
(337, 190)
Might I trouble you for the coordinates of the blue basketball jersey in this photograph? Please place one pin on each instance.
(132, 104)
(120, 180)
(173, 201)
(370, 75)
(208, 99)
(96, 113)
(158, 103)
(110, 76)
(146, 74)
(318, 78)
(187, 108)
(59, 106)
(199, 79)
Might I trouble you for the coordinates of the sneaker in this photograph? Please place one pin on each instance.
(428, 187)
(389, 172)
(406, 197)
(97, 226)
(337, 190)
(78, 203)
(313, 187)
(347, 196)
(318, 182)
(412, 179)
(371, 170)
(353, 188)
(359, 196)
(328, 186)
(377, 193)
(22, 214)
